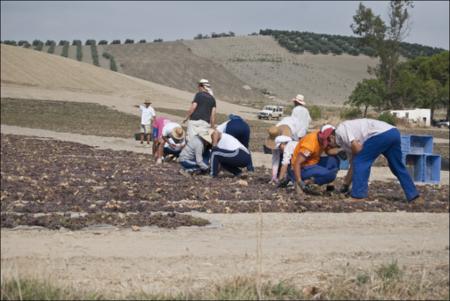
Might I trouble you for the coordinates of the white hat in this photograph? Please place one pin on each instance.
(299, 99)
(204, 82)
(325, 127)
(282, 139)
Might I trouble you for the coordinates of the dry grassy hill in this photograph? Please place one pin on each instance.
(31, 74)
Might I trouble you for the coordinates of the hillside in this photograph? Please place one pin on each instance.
(30, 74)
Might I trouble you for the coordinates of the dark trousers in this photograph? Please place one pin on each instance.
(229, 160)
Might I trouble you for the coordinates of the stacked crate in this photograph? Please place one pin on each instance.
(421, 163)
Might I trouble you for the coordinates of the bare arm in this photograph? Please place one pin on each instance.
(191, 110)
(216, 135)
(348, 176)
(297, 167)
(213, 118)
(283, 172)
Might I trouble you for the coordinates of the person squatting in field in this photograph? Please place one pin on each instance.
(170, 139)
(364, 140)
(226, 152)
(239, 129)
(310, 168)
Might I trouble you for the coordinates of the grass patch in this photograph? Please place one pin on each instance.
(387, 282)
(73, 117)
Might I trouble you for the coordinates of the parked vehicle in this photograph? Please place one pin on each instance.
(443, 123)
(271, 112)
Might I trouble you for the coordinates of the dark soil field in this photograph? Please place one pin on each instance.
(58, 184)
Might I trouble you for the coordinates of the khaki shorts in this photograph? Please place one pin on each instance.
(145, 128)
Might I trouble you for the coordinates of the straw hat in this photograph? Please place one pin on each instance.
(276, 131)
(207, 135)
(177, 133)
(300, 99)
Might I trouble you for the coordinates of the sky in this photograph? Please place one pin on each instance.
(172, 20)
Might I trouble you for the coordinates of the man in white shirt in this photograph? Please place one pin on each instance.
(364, 140)
(147, 116)
(300, 113)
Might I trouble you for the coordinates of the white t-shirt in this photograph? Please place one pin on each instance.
(178, 146)
(288, 152)
(301, 114)
(359, 129)
(298, 129)
(228, 142)
(222, 127)
(147, 114)
(168, 128)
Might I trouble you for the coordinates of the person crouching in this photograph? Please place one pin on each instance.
(227, 152)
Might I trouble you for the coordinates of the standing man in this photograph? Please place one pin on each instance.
(300, 112)
(202, 113)
(364, 140)
(147, 115)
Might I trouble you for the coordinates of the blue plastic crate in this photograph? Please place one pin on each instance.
(344, 164)
(415, 164)
(421, 144)
(406, 143)
(432, 169)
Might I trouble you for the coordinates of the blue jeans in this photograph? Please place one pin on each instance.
(388, 144)
(191, 165)
(323, 172)
(169, 151)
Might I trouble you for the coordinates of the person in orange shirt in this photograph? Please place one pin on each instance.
(309, 167)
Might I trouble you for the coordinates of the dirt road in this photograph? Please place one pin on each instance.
(299, 247)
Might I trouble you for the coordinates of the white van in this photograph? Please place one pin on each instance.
(271, 112)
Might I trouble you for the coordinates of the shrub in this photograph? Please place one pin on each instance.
(10, 42)
(65, 50)
(51, 49)
(23, 43)
(63, 42)
(143, 41)
(103, 42)
(94, 54)
(129, 41)
(49, 43)
(90, 42)
(115, 42)
(37, 42)
(315, 112)
(158, 40)
(388, 117)
(112, 62)
(350, 113)
(76, 42)
(79, 52)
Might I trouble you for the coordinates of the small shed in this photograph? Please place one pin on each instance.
(418, 116)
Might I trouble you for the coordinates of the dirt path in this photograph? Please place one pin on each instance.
(116, 143)
(299, 247)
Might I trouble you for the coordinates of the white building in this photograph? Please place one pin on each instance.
(419, 116)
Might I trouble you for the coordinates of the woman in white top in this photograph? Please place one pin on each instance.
(226, 152)
(300, 113)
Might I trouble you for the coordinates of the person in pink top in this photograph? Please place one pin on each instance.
(157, 132)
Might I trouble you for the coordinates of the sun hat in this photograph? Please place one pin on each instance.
(300, 99)
(177, 133)
(282, 139)
(204, 82)
(147, 101)
(326, 131)
(275, 131)
(206, 135)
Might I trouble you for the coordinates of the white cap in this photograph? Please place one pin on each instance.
(325, 127)
(299, 99)
(204, 82)
(282, 139)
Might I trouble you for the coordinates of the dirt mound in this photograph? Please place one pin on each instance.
(53, 184)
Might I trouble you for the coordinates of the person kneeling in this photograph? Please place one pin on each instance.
(309, 166)
(194, 157)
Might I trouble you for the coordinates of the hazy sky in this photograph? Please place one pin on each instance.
(58, 20)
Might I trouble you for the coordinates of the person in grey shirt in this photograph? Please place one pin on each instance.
(194, 157)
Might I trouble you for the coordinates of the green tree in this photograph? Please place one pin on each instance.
(384, 38)
(368, 93)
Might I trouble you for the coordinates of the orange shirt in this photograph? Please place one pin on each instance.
(310, 148)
